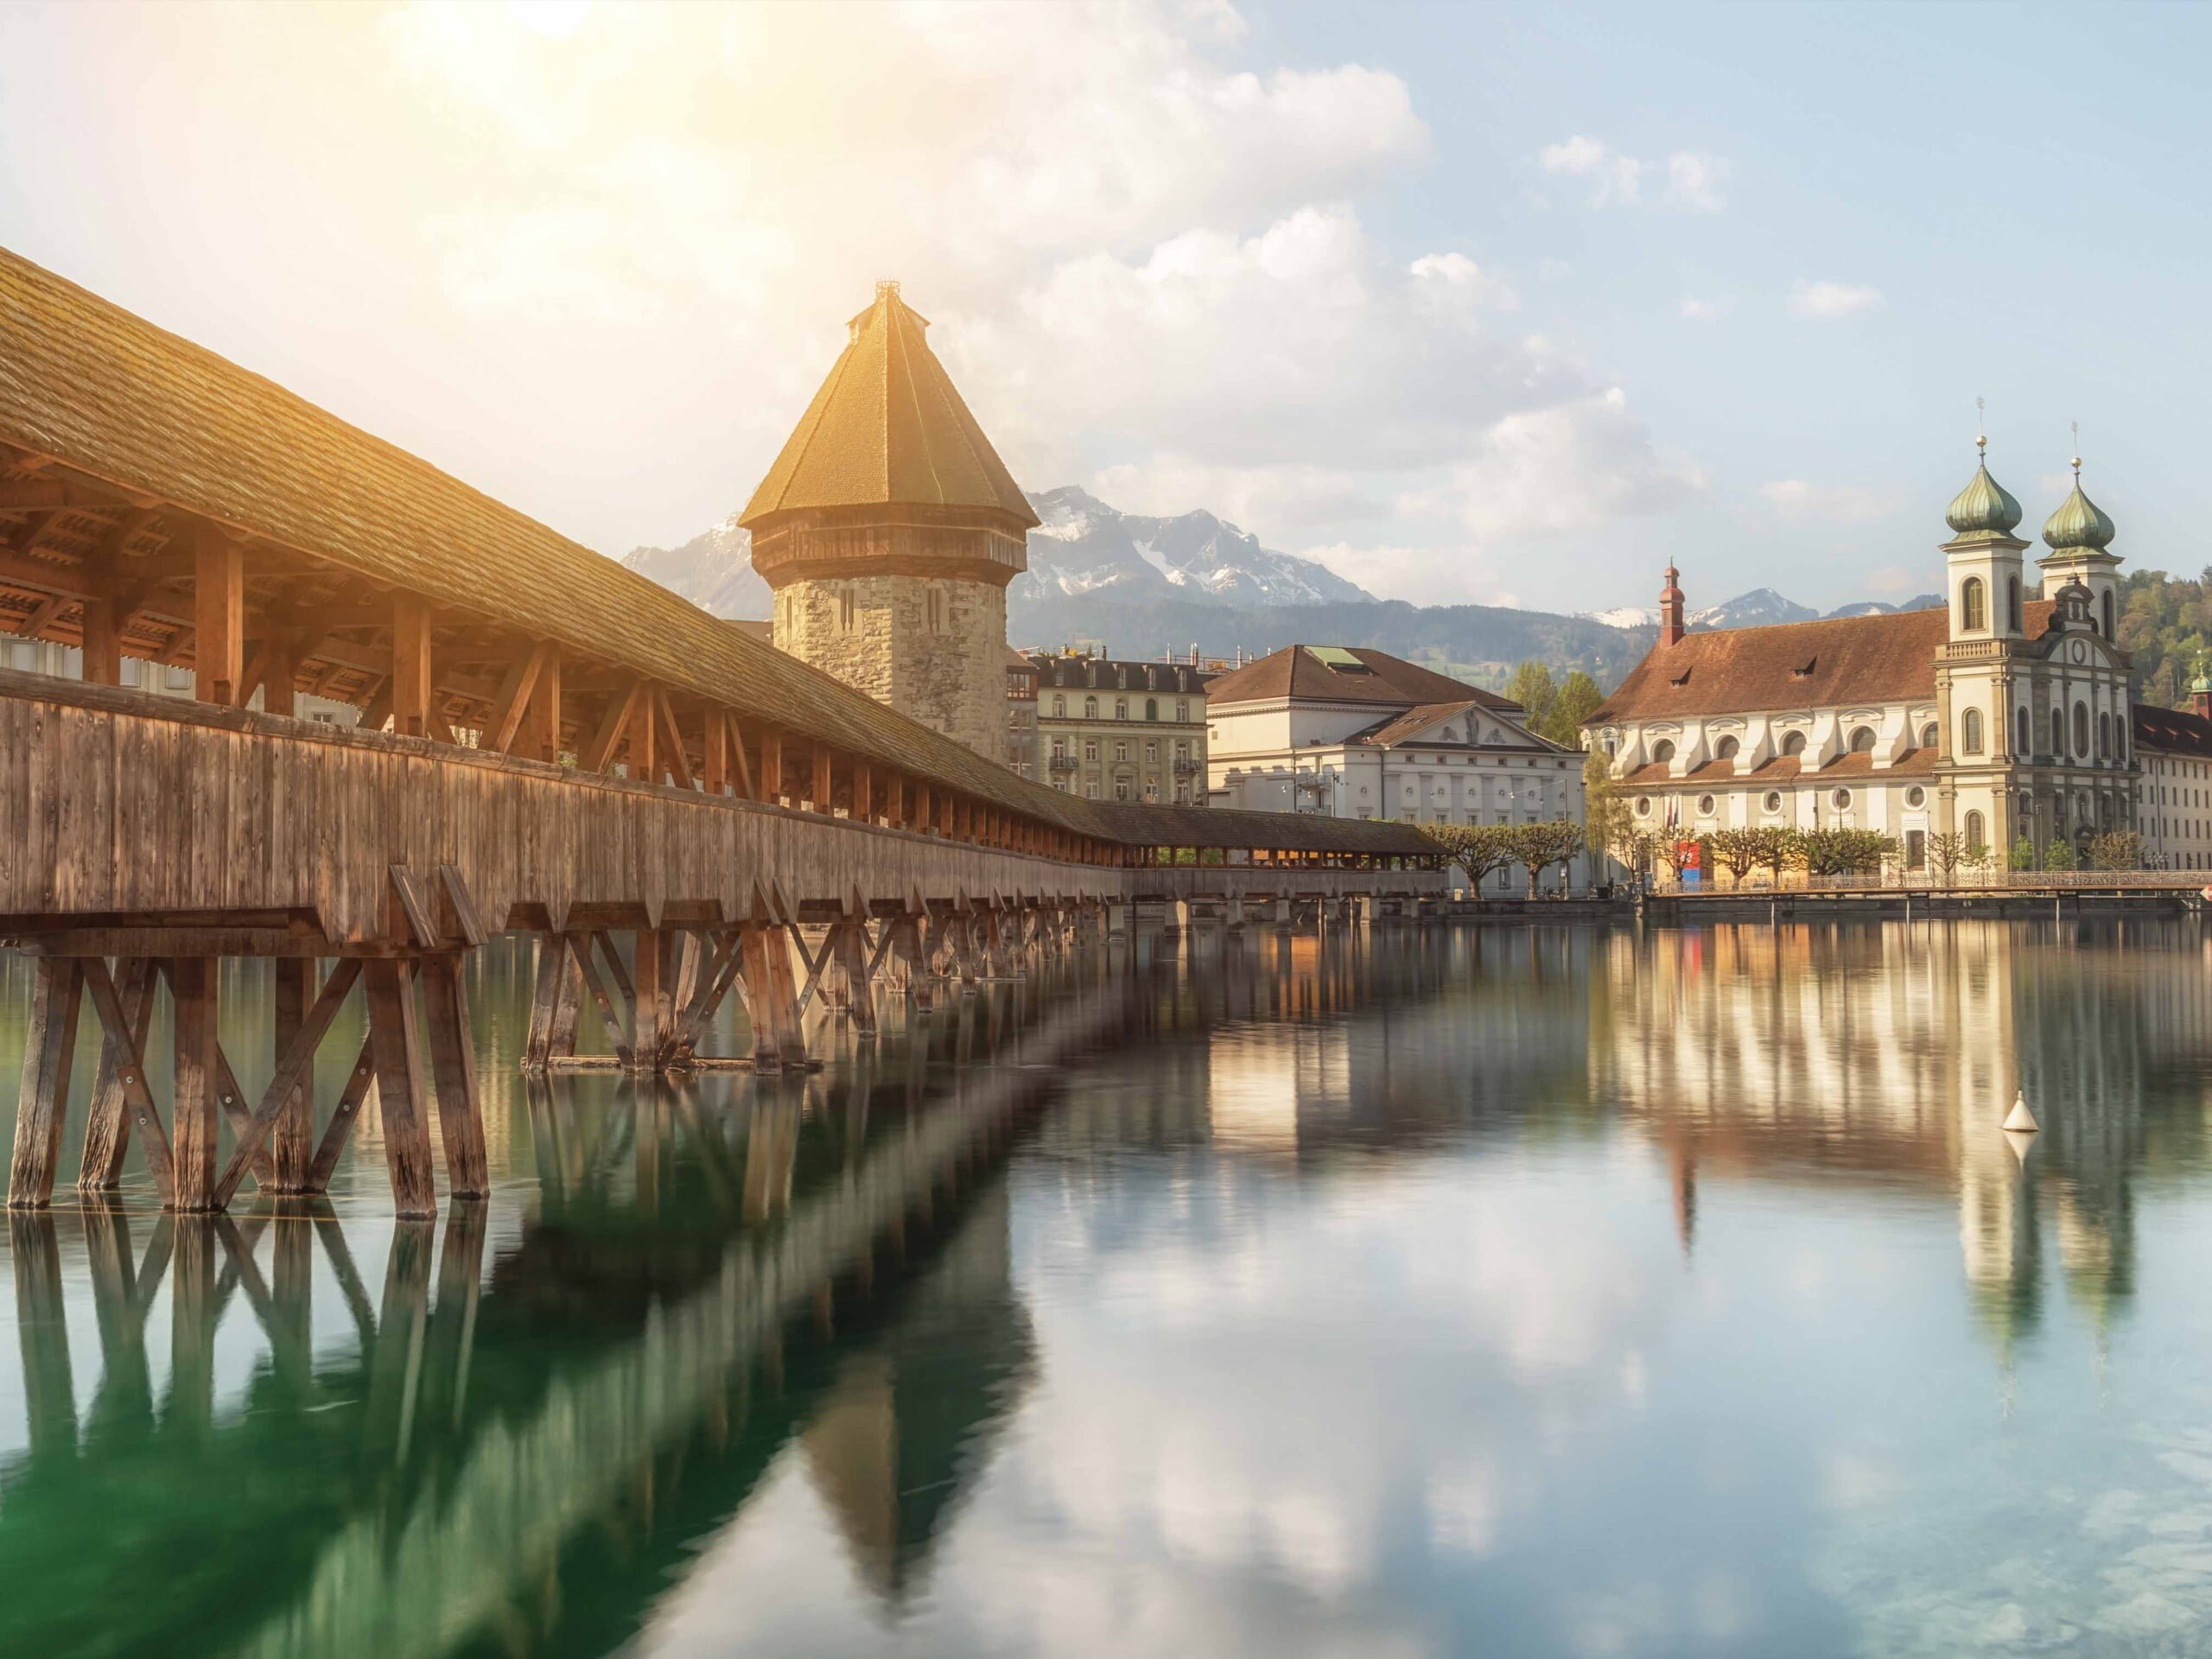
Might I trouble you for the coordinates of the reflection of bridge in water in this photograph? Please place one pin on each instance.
(521, 1456)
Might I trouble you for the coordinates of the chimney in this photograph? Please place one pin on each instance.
(1670, 609)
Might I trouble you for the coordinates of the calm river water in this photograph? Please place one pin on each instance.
(1501, 1290)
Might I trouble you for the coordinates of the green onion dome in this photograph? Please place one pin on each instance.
(2079, 521)
(1984, 504)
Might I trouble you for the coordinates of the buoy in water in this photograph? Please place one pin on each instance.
(2020, 1120)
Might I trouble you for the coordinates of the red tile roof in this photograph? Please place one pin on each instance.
(1888, 657)
(1388, 682)
(2173, 730)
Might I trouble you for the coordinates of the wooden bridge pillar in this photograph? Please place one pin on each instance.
(49, 1048)
(195, 1109)
(292, 1136)
(396, 1045)
(452, 1066)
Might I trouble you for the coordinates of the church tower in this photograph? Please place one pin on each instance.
(889, 529)
(1979, 673)
(2079, 538)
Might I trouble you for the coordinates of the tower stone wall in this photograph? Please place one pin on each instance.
(943, 664)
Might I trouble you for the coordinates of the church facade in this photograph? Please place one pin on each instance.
(2004, 716)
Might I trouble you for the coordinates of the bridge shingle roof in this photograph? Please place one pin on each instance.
(156, 417)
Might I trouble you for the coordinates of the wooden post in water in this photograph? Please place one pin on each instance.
(291, 1138)
(196, 1112)
(394, 1044)
(50, 1046)
(452, 1064)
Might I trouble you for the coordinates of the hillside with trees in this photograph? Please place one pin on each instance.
(2165, 624)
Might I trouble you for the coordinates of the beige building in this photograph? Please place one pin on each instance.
(889, 529)
(1122, 731)
(2173, 747)
(2005, 715)
(1360, 733)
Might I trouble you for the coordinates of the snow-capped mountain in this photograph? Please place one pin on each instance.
(1084, 546)
(1758, 609)
(713, 570)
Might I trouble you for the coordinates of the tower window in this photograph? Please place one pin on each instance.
(1970, 732)
(2058, 731)
(845, 607)
(2027, 740)
(2108, 613)
(936, 610)
(1973, 605)
(2013, 601)
(2082, 728)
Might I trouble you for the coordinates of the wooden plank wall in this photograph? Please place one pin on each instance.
(118, 801)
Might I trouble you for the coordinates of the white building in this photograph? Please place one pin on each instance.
(1360, 733)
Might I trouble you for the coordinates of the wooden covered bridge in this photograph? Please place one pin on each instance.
(547, 742)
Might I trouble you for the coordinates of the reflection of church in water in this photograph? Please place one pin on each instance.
(1888, 1057)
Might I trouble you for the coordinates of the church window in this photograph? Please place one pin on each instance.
(1973, 605)
(1774, 800)
(1152, 708)
(1842, 800)
(1970, 732)
(2104, 733)
(2058, 732)
(1862, 741)
(2107, 614)
(1662, 752)
(845, 607)
(1704, 806)
(2013, 601)
(1915, 795)
(2082, 729)
(1929, 736)
(1793, 743)
(2026, 742)
(1976, 837)
(1725, 749)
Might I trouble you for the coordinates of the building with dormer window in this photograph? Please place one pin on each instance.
(2005, 715)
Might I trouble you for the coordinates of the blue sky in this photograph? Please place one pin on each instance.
(1503, 304)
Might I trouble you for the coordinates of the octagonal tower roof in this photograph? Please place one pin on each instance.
(888, 427)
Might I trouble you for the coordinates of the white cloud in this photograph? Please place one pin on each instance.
(1451, 281)
(1616, 180)
(1840, 503)
(1827, 299)
(1572, 466)
(1694, 176)
(1696, 310)
(1694, 181)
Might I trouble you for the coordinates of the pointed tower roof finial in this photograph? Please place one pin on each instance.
(2076, 426)
(1984, 507)
(1981, 429)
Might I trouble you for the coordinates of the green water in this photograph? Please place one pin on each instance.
(1516, 1291)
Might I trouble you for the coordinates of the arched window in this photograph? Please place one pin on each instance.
(2082, 729)
(1793, 743)
(2026, 742)
(1059, 706)
(1152, 708)
(2108, 613)
(1662, 752)
(2104, 734)
(2013, 601)
(1725, 749)
(2058, 731)
(1928, 736)
(1970, 732)
(1974, 605)
(1862, 741)
(1976, 836)
(1121, 708)
(1090, 707)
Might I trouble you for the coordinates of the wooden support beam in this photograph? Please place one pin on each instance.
(674, 760)
(598, 755)
(554, 970)
(849, 940)
(739, 763)
(396, 1045)
(195, 1110)
(452, 1066)
(49, 1045)
(514, 702)
(358, 1082)
(295, 1065)
(280, 682)
(771, 764)
(291, 1138)
(219, 617)
(863, 793)
(107, 1125)
(771, 999)
(410, 667)
(714, 756)
(617, 1032)
(822, 786)
(541, 733)
(651, 1013)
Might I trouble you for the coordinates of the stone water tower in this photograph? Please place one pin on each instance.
(889, 529)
